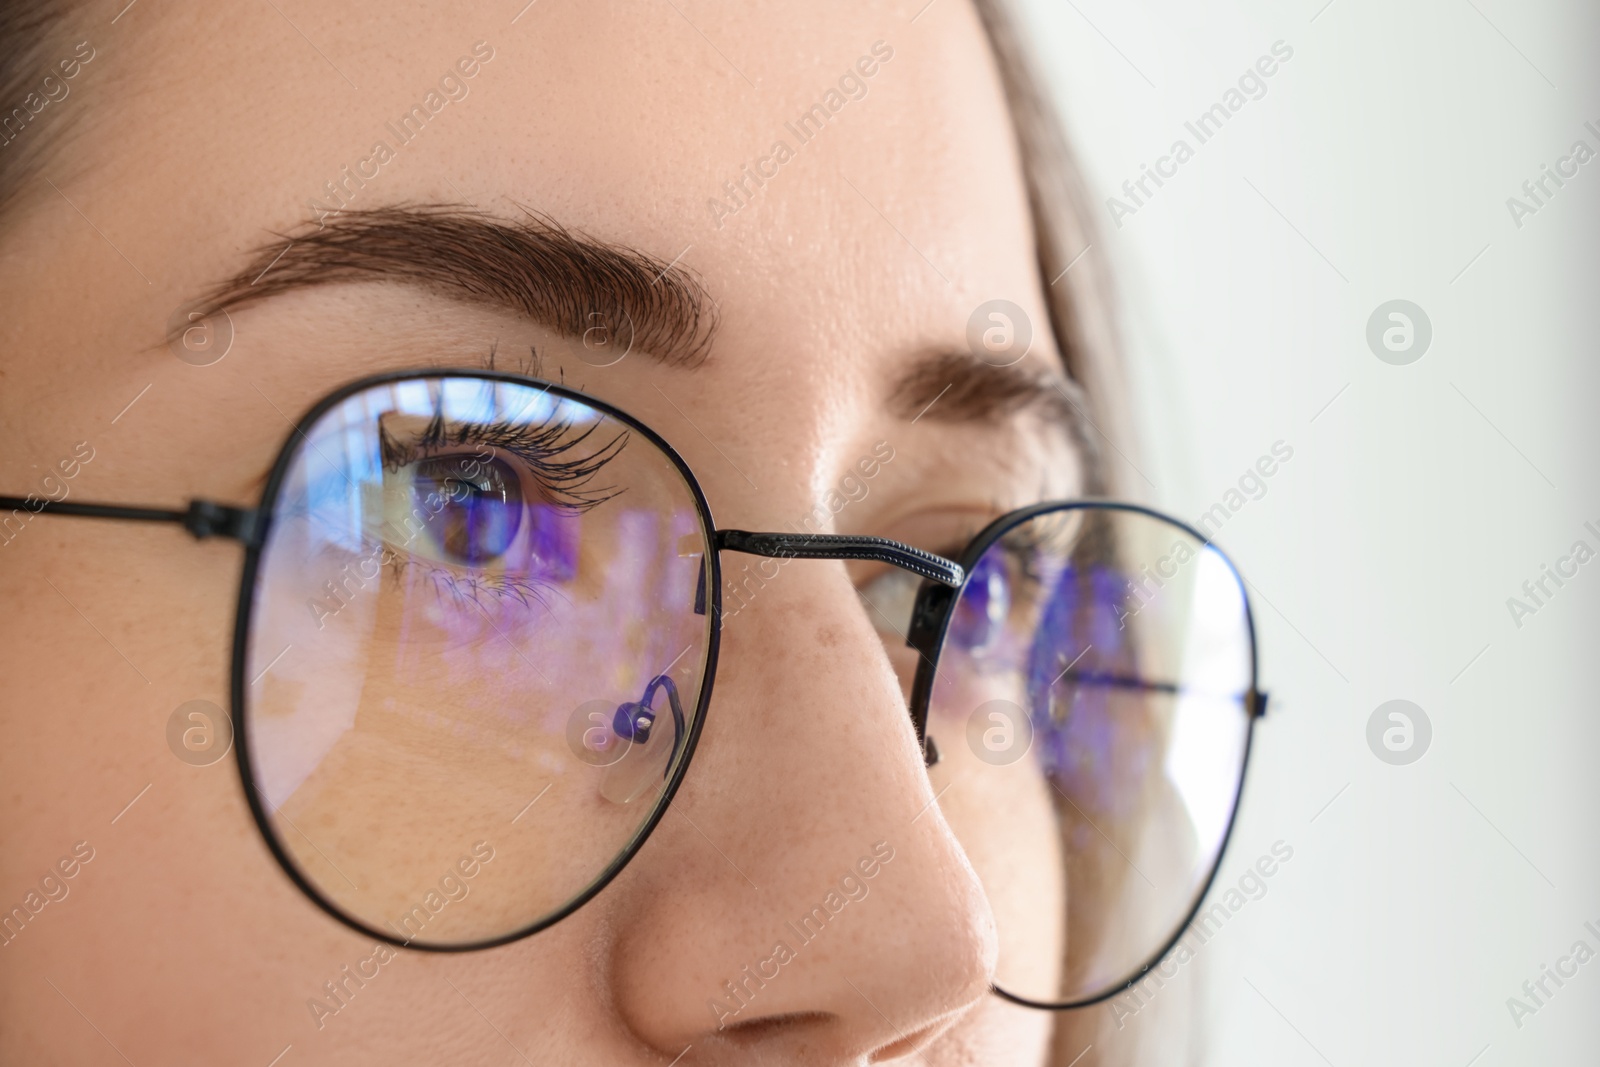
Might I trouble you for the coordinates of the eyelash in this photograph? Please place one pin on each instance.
(562, 482)
(545, 451)
(500, 590)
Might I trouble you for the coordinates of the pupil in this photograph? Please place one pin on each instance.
(473, 506)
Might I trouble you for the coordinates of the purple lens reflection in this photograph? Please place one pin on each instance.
(554, 536)
(1090, 714)
(980, 614)
(474, 505)
(1081, 635)
(460, 570)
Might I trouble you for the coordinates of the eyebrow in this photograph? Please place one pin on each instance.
(572, 283)
(562, 280)
(958, 387)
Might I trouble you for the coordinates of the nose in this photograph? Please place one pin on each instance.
(804, 898)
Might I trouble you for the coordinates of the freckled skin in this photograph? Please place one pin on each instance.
(201, 129)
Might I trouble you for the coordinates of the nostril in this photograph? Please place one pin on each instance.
(753, 1031)
(908, 1044)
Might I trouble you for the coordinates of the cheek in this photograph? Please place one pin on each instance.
(1006, 822)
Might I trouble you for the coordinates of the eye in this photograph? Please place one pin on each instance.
(890, 598)
(985, 602)
(472, 504)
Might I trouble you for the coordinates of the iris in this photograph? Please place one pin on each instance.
(475, 506)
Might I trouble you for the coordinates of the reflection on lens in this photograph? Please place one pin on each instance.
(1125, 641)
(474, 656)
(480, 505)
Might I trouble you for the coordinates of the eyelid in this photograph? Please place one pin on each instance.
(519, 578)
(546, 450)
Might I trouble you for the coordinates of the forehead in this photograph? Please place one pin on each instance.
(834, 170)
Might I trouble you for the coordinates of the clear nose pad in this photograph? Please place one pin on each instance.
(652, 745)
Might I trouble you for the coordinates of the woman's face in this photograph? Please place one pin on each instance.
(842, 279)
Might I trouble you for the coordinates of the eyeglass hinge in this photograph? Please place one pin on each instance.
(933, 603)
(206, 518)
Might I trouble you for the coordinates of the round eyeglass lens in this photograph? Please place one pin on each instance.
(1091, 709)
(477, 643)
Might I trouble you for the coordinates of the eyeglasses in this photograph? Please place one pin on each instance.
(477, 633)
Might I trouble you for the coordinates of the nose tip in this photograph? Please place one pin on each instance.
(821, 910)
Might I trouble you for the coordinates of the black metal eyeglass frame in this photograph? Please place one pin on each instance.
(931, 615)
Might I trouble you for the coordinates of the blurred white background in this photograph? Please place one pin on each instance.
(1420, 497)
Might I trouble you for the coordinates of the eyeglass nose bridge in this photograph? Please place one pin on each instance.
(946, 577)
(926, 565)
(799, 546)
(841, 546)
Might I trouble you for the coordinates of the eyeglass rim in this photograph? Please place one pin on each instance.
(205, 518)
(292, 448)
(931, 618)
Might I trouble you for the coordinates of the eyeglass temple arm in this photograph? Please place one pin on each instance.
(1255, 700)
(838, 546)
(202, 518)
